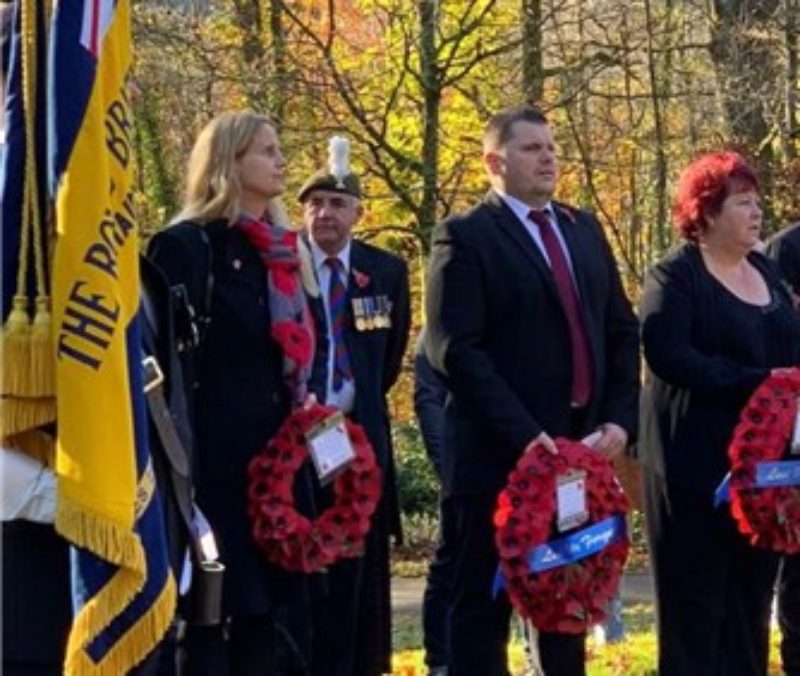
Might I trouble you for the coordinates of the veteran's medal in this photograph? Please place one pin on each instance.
(386, 317)
(369, 313)
(358, 312)
(378, 313)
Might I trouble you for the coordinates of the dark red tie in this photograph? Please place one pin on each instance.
(581, 359)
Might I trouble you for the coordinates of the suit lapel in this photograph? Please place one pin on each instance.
(575, 245)
(355, 288)
(510, 225)
(581, 257)
(359, 284)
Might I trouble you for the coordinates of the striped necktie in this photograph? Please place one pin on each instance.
(337, 299)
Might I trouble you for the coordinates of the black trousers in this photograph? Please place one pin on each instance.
(254, 645)
(479, 624)
(789, 614)
(713, 590)
(352, 610)
(335, 612)
(37, 605)
(438, 589)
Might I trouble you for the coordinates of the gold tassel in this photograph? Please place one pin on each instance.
(16, 348)
(18, 414)
(42, 368)
(34, 443)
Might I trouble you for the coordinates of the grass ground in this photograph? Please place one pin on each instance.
(635, 656)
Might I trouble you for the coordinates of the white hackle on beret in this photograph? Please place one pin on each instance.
(339, 159)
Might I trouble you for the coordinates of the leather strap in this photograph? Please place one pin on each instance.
(172, 444)
(162, 418)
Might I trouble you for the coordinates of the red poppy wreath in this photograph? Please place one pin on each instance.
(287, 537)
(764, 489)
(561, 582)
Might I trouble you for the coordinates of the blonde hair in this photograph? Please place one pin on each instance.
(212, 186)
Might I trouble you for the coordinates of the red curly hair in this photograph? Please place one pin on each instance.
(703, 187)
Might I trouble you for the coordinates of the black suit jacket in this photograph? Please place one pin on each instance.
(430, 394)
(498, 333)
(376, 355)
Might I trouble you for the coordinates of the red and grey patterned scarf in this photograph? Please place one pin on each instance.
(291, 324)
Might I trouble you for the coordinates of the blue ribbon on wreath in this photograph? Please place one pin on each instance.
(570, 548)
(768, 475)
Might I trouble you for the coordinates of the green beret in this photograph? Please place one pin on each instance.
(324, 180)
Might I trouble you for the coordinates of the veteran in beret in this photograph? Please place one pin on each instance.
(362, 317)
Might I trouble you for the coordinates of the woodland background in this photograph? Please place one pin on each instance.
(633, 91)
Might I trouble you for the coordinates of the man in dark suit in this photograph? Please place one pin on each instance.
(784, 248)
(362, 317)
(430, 393)
(531, 328)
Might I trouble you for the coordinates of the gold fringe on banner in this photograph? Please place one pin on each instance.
(140, 639)
(114, 542)
(124, 548)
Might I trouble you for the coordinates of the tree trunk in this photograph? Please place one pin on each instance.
(248, 19)
(790, 18)
(660, 141)
(280, 80)
(532, 64)
(746, 65)
(431, 96)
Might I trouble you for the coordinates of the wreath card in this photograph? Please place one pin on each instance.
(330, 447)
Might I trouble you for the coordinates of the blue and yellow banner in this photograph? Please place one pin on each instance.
(108, 506)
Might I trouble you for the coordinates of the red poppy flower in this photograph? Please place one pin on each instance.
(279, 487)
(364, 463)
(284, 277)
(361, 279)
(289, 239)
(364, 504)
(357, 528)
(295, 341)
(511, 543)
(312, 558)
(330, 543)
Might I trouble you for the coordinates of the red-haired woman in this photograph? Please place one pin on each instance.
(715, 322)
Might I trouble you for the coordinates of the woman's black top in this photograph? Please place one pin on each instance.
(706, 350)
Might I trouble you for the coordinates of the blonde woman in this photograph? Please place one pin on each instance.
(221, 248)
